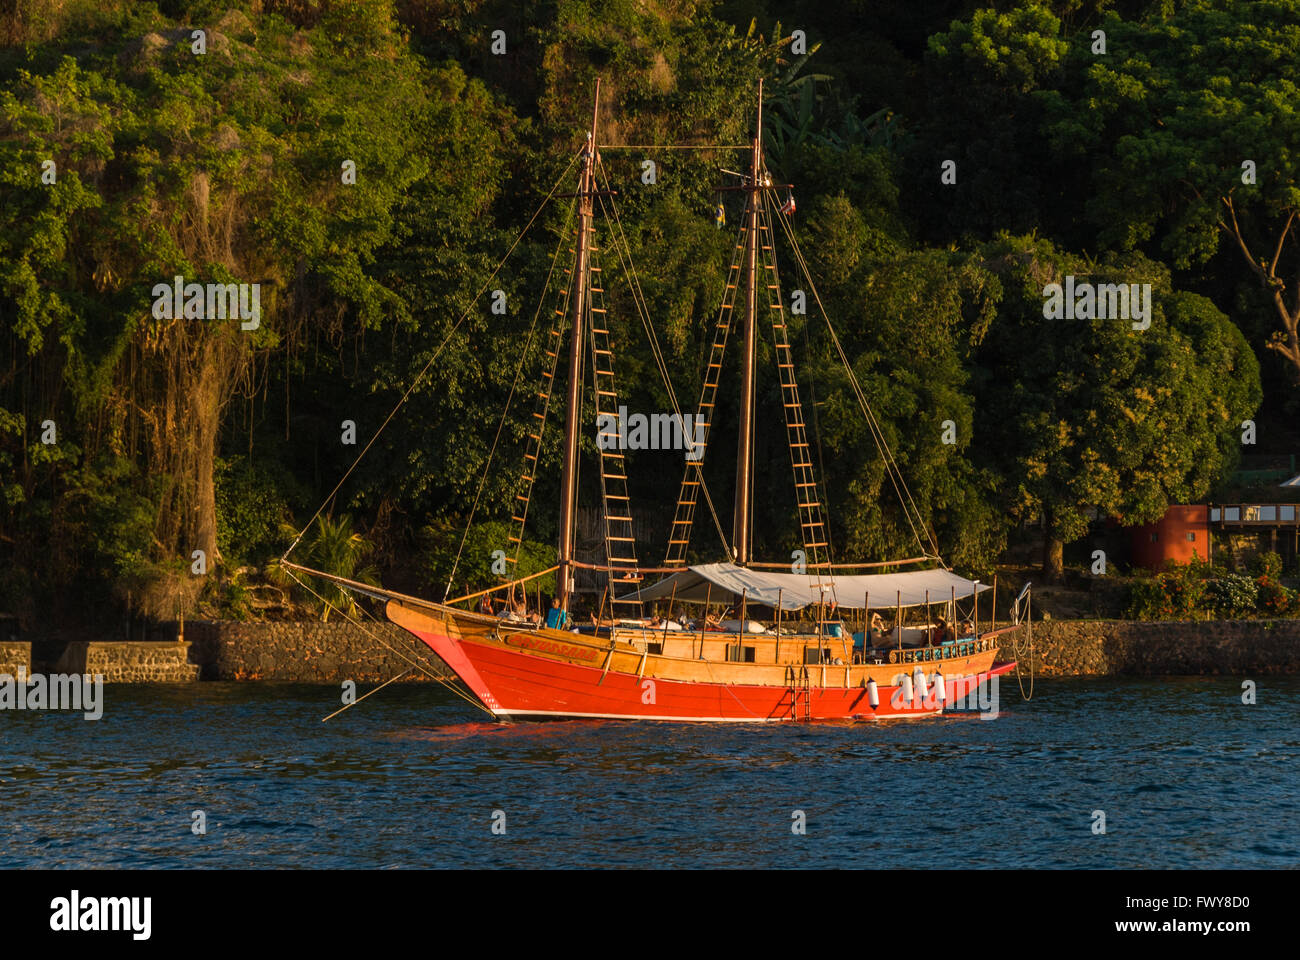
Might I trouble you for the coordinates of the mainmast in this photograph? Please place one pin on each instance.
(577, 340)
(745, 448)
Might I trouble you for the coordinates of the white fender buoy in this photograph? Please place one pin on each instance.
(906, 687)
(918, 682)
(873, 697)
(940, 688)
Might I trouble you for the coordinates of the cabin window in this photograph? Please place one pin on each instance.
(1155, 537)
(1288, 513)
(654, 648)
(738, 654)
(1191, 537)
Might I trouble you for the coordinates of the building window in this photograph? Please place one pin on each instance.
(1155, 538)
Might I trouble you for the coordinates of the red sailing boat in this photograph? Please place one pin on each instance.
(788, 651)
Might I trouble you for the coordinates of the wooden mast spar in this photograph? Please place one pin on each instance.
(577, 339)
(744, 448)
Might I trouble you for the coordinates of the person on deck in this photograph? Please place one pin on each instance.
(877, 630)
(485, 605)
(556, 618)
(941, 632)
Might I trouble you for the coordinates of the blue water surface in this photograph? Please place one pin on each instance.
(1184, 772)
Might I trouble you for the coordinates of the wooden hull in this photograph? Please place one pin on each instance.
(525, 673)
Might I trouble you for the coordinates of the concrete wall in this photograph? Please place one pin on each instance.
(1107, 647)
(14, 655)
(307, 652)
(133, 662)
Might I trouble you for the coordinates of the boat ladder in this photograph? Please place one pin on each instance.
(679, 534)
(800, 688)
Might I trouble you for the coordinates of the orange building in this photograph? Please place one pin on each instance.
(1181, 535)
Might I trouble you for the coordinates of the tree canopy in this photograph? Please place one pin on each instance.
(368, 164)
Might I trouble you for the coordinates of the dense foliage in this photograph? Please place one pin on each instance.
(1197, 591)
(130, 440)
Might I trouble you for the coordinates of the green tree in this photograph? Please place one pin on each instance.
(982, 115)
(331, 546)
(1169, 120)
(222, 167)
(908, 321)
(1090, 415)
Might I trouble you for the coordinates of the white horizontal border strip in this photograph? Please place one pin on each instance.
(642, 716)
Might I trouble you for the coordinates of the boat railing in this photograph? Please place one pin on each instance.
(651, 640)
(968, 646)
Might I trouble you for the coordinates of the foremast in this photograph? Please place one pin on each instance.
(745, 444)
(577, 341)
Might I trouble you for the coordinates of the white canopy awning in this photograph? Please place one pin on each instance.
(727, 583)
(1293, 482)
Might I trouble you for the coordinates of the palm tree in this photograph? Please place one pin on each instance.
(334, 548)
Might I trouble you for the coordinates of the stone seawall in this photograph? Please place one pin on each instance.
(1063, 648)
(307, 652)
(14, 655)
(333, 652)
(129, 662)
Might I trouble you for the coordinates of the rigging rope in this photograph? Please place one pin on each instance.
(523, 361)
(643, 313)
(893, 471)
(401, 655)
(1029, 631)
(818, 477)
(891, 465)
(420, 376)
(823, 490)
(349, 706)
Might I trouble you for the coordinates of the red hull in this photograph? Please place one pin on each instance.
(518, 685)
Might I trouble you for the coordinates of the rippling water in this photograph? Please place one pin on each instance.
(1186, 774)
